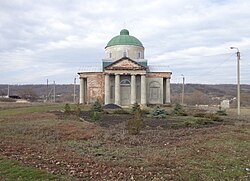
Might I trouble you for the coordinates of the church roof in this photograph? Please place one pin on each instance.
(158, 68)
(90, 69)
(124, 39)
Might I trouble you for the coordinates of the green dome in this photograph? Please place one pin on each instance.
(124, 39)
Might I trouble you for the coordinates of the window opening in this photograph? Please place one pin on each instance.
(125, 82)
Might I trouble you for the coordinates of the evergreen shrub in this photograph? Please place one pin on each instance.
(159, 112)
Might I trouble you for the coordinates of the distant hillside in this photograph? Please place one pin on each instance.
(210, 94)
(64, 93)
(194, 93)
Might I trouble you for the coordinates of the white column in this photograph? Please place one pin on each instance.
(133, 89)
(85, 92)
(107, 89)
(81, 91)
(117, 89)
(143, 90)
(167, 91)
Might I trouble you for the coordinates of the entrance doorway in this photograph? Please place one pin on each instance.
(125, 92)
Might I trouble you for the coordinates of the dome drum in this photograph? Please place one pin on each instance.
(124, 45)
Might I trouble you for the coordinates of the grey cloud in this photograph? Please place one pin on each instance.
(46, 35)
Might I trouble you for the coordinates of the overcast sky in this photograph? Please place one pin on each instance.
(53, 39)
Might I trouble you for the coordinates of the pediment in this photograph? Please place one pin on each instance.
(125, 64)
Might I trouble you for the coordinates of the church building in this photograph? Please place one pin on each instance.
(125, 77)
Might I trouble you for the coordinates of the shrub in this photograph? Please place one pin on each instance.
(159, 112)
(67, 109)
(97, 107)
(179, 110)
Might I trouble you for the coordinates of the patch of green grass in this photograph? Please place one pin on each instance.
(12, 170)
(120, 155)
(222, 158)
(32, 109)
(219, 167)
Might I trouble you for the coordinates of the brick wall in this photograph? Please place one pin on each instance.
(95, 86)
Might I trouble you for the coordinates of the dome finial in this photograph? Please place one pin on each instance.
(124, 32)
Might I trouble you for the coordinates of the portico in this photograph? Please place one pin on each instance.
(126, 88)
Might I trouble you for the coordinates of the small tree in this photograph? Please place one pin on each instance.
(159, 112)
(179, 110)
(95, 116)
(97, 107)
(134, 125)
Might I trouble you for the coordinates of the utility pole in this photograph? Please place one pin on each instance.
(47, 90)
(8, 91)
(54, 91)
(183, 83)
(238, 79)
(74, 90)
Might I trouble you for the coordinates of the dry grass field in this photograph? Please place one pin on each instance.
(39, 142)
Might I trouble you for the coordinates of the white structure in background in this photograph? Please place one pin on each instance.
(225, 104)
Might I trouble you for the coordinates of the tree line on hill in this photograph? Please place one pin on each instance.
(201, 94)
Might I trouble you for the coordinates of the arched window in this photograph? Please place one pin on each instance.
(125, 82)
(154, 84)
(110, 55)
